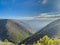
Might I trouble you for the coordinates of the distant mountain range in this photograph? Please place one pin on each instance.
(52, 30)
(36, 25)
(13, 30)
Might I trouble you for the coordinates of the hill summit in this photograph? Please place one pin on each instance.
(13, 30)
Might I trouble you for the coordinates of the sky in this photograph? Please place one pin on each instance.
(21, 8)
(30, 10)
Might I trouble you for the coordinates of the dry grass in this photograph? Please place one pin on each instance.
(6, 43)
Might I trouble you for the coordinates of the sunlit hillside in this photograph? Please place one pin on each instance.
(6, 42)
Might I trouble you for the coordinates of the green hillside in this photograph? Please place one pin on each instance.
(13, 30)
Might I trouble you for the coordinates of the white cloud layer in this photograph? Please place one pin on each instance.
(43, 16)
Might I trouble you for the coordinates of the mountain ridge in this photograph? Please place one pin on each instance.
(13, 30)
(52, 30)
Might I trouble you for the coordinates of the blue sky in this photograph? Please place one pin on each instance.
(18, 8)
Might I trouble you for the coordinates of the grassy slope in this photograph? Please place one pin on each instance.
(13, 30)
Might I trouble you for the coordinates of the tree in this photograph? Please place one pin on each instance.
(38, 43)
(57, 41)
(45, 40)
(50, 42)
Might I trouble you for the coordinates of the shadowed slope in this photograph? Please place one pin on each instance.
(3, 30)
(52, 30)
